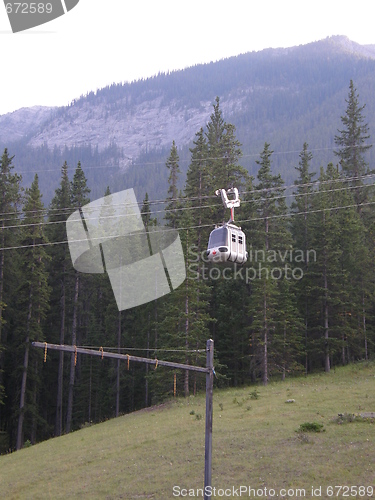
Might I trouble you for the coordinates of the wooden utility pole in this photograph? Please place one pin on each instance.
(209, 414)
(208, 370)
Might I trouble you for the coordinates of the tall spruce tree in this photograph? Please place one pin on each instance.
(329, 284)
(10, 198)
(172, 165)
(272, 244)
(180, 301)
(288, 342)
(352, 142)
(199, 189)
(301, 227)
(145, 319)
(99, 321)
(183, 315)
(223, 155)
(33, 302)
(146, 213)
(79, 198)
(270, 201)
(215, 165)
(61, 278)
(357, 283)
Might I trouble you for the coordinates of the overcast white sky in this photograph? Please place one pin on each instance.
(104, 41)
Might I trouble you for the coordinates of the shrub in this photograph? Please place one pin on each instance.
(254, 394)
(311, 427)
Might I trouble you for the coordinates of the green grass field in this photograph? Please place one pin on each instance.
(255, 444)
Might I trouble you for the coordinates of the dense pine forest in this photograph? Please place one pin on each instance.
(303, 302)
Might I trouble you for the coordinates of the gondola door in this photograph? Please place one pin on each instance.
(241, 245)
(233, 245)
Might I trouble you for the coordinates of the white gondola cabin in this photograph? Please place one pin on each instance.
(227, 242)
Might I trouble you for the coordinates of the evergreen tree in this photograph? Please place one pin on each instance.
(79, 198)
(148, 309)
(288, 342)
(263, 311)
(79, 188)
(223, 154)
(214, 165)
(174, 171)
(230, 303)
(352, 145)
(301, 227)
(183, 319)
(146, 213)
(99, 316)
(357, 284)
(61, 277)
(357, 278)
(271, 242)
(303, 194)
(199, 189)
(331, 288)
(33, 298)
(10, 197)
(183, 315)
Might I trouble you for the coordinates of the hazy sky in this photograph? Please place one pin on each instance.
(104, 41)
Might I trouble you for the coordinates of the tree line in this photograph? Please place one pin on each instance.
(304, 301)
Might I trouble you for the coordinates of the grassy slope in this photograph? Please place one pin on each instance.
(144, 454)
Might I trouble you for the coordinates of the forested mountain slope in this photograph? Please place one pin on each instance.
(282, 96)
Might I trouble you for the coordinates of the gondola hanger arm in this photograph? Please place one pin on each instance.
(229, 203)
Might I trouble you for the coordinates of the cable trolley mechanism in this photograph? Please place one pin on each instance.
(228, 242)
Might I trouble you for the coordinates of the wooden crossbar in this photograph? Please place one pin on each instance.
(116, 355)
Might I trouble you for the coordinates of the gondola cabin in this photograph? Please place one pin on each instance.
(227, 243)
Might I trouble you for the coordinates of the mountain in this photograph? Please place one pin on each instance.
(23, 122)
(122, 133)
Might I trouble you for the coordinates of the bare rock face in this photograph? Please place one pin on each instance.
(23, 122)
(351, 47)
(149, 124)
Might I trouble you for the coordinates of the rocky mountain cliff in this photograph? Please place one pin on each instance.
(23, 122)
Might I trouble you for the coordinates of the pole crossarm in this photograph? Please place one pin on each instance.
(115, 355)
